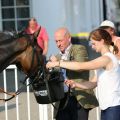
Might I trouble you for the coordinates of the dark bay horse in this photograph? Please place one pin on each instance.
(20, 49)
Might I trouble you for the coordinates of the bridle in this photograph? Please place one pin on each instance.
(38, 74)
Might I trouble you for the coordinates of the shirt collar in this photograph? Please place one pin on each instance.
(67, 50)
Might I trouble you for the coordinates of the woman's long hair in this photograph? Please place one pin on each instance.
(99, 34)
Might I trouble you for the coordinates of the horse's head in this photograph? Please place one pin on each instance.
(21, 49)
(30, 60)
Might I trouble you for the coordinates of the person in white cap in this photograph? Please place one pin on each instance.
(110, 28)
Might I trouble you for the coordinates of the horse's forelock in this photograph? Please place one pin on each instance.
(9, 33)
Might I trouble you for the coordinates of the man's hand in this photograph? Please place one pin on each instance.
(50, 65)
(53, 58)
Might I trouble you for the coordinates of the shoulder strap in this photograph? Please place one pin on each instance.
(37, 32)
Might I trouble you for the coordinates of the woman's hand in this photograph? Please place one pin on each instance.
(70, 83)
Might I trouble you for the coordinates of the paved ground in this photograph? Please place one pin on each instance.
(34, 111)
(23, 111)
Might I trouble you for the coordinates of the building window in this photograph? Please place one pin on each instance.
(15, 14)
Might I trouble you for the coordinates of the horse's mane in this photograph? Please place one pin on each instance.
(5, 36)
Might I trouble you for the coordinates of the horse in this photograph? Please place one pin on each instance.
(18, 49)
(23, 50)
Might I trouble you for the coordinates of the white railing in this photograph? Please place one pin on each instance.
(43, 109)
(41, 112)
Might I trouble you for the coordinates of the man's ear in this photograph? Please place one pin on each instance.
(69, 39)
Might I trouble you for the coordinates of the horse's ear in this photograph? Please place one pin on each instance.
(21, 32)
(37, 33)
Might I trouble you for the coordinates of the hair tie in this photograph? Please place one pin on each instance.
(112, 43)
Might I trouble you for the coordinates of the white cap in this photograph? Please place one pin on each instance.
(108, 24)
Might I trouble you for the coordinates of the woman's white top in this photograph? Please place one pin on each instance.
(109, 84)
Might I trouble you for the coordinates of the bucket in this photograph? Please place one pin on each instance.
(50, 90)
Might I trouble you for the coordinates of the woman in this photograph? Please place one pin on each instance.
(107, 77)
(42, 38)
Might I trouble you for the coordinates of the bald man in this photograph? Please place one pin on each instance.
(79, 102)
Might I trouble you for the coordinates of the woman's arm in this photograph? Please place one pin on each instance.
(91, 65)
(82, 85)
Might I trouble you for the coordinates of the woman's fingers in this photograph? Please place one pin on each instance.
(70, 83)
